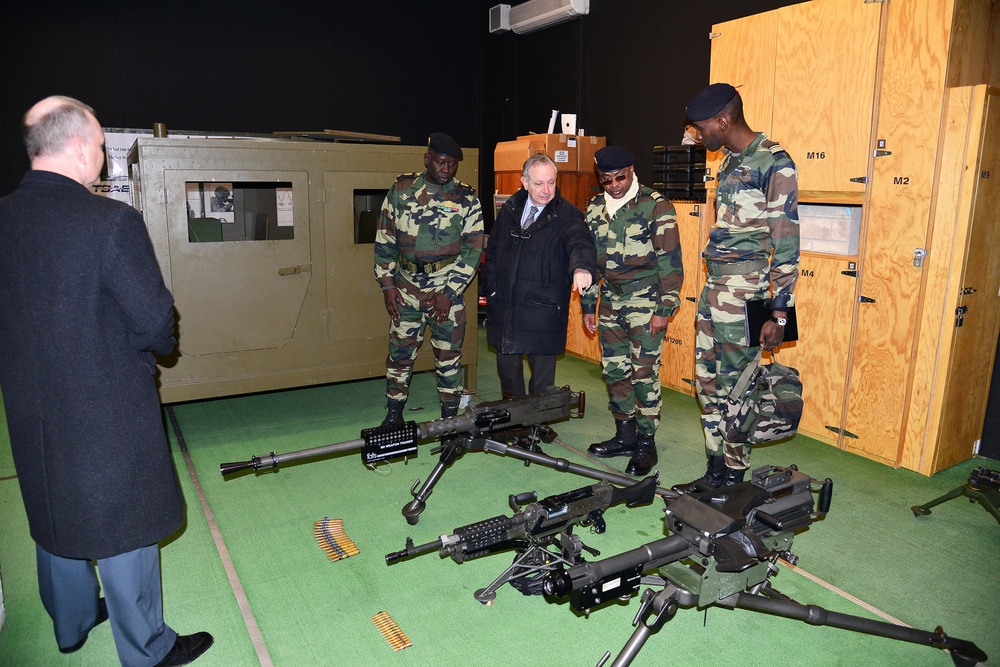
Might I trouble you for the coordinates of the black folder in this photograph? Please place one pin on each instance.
(757, 312)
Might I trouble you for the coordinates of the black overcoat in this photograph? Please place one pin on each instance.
(83, 306)
(531, 273)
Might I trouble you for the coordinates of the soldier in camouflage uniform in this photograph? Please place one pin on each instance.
(427, 249)
(752, 253)
(639, 259)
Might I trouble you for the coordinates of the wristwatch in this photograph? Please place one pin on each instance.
(780, 321)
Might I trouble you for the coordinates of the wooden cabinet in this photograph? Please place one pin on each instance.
(677, 362)
(872, 90)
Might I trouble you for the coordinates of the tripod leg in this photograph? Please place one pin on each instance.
(664, 606)
(925, 509)
(986, 501)
(449, 454)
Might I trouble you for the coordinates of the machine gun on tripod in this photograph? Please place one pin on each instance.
(983, 487)
(723, 551)
(541, 532)
(483, 427)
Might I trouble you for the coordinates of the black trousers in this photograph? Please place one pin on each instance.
(510, 368)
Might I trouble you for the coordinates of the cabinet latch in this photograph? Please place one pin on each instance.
(879, 153)
(859, 179)
(960, 315)
(852, 274)
(919, 254)
(966, 291)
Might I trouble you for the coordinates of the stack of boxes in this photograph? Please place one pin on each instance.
(679, 172)
(569, 151)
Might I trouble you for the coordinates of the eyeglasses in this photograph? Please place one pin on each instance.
(614, 178)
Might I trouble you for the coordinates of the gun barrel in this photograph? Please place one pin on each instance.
(411, 551)
(648, 556)
(273, 460)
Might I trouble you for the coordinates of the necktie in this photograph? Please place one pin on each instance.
(532, 212)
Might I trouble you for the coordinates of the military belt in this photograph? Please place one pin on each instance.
(631, 286)
(425, 267)
(716, 269)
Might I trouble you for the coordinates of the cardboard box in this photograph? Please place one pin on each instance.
(510, 155)
(585, 149)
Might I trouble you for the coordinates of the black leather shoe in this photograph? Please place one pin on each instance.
(622, 443)
(102, 615)
(187, 648)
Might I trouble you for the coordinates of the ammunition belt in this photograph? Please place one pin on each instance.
(631, 286)
(716, 269)
(425, 267)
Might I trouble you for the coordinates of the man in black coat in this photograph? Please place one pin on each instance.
(540, 250)
(84, 309)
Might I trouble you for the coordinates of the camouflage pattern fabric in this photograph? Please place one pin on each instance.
(424, 227)
(405, 339)
(640, 243)
(630, 357)
(756, 218)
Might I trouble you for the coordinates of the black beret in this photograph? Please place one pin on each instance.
(613, 158)
(710, 101)
(442, 144)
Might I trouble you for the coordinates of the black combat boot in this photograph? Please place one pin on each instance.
(623, 443)
(644, 458)
(448, 411)
(712, 478)
(733, 476)
(394, 415)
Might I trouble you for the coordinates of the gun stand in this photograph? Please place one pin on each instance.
(685, 587)
(982, 487)
(530, 565)
(453, 448)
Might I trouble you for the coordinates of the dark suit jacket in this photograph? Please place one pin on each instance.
(532, 275)
(83, 308)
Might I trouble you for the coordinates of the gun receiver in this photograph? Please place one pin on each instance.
(378, 444)
(532, 530)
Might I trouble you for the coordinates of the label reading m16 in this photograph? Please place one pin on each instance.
(392, 443)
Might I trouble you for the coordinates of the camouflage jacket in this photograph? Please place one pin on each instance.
(639, 242)
(757, 214)
(425, 228)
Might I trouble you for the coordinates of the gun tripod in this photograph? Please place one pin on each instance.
(983, 487)
(454, 447)
(684, 587)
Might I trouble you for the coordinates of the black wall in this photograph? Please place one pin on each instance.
(380, 66)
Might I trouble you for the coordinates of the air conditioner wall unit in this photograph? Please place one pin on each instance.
(537, 14)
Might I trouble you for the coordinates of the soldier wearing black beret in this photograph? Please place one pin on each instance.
(427, 248)
(752, 254)
(639, 262)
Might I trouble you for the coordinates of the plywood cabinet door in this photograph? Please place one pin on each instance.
(824, 89)
(824, 307)
(677, 363)
(743, 53)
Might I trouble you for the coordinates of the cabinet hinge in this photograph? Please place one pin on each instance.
(689, 298)
(966, 291)
(865, 299)
(859, 179)
(840, 431)
(848, 434)
(873, 2)
(688, 381)
(691, 213)
(879, 153)
(713, 35)
(853, 274)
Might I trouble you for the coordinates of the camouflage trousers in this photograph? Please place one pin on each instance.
(721, 352)
(405, 339)
(630, 358)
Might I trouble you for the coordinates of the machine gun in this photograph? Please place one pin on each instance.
(483, 427)
(541, 533)
(983, 487)
(724, 549)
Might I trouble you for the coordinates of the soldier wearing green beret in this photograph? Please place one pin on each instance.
(428, 246)
(752, 253)
(639, 261)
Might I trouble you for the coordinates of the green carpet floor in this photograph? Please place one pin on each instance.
(936, 570)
